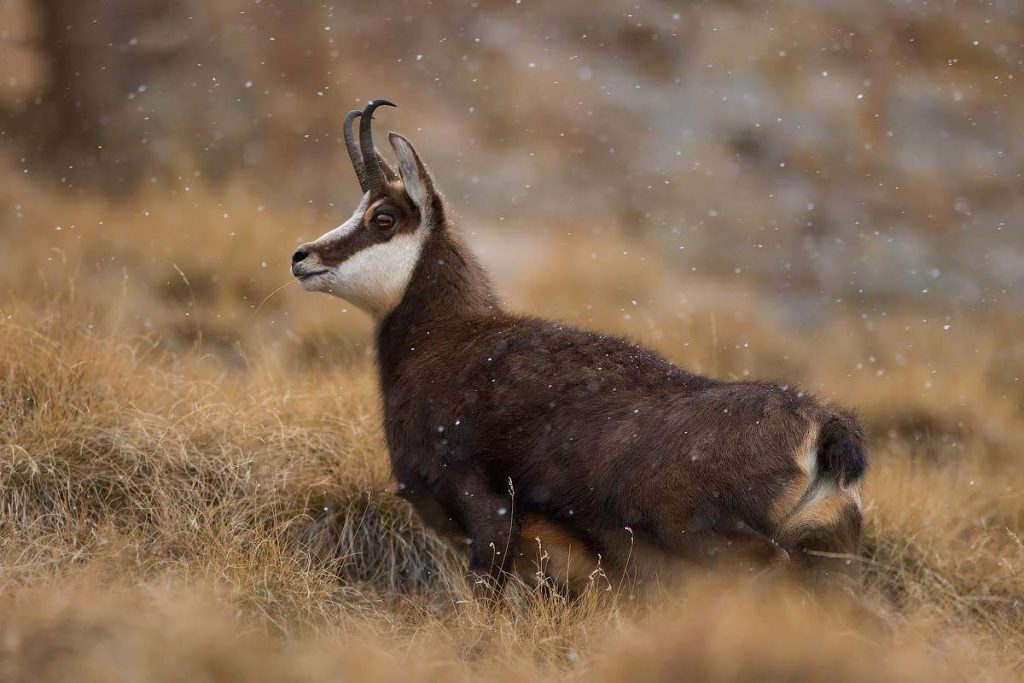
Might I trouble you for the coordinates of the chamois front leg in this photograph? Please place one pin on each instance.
(492, 529)
(430, 512)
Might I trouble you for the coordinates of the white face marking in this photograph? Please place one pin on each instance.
(348, 226)
(374, 278)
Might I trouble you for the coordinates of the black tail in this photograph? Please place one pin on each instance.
(842, 448)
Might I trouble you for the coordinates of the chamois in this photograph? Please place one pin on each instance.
(503, 426)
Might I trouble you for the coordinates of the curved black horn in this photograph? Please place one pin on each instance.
(353, 150)
(371, 165)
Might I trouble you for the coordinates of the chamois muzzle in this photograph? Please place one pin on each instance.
(364, 156)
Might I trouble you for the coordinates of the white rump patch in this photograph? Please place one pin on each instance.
(822, 489)
(807, 455)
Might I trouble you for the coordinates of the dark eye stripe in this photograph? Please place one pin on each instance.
(406, 218)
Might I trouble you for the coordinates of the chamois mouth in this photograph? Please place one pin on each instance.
(302, 277)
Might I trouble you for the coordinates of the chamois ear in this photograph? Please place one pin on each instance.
(418, 183)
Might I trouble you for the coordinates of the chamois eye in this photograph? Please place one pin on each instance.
(384, 221)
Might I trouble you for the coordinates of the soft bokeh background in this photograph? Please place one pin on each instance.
(868, 151)
(822, 192)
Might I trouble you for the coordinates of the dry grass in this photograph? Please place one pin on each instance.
(193, 486)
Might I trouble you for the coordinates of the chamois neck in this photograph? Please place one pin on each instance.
(448, 285)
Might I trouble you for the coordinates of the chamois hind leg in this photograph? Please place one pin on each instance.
(818, 519)
(733, 541)
(823, 534)
(548, 556)
(750, 547)
(713, 537)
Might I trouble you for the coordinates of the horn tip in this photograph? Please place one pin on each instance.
(382, 103)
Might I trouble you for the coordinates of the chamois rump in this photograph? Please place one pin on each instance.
(504, 427)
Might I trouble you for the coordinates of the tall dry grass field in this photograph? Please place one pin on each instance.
(193, 481)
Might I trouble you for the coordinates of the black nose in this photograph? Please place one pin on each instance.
(300, 255)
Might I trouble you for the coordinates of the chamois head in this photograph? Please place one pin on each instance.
(370, 258)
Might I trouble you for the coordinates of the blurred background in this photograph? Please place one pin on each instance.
(862, 151)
